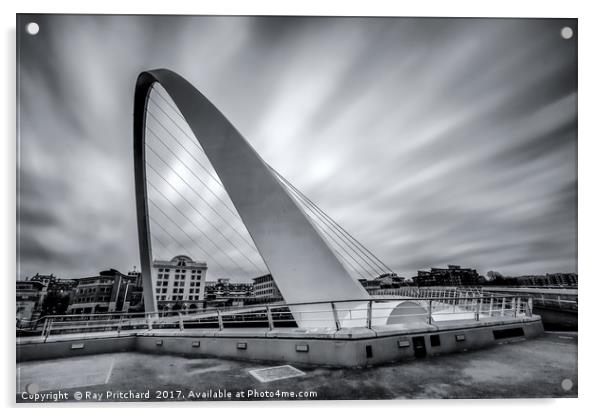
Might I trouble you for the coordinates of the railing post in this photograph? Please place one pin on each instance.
(335, 315)
(149, 322)
(369, 316)
(513, 306)
(430, 311)
(517, 310)
(180, 321)
(119, 325)
(44, 327)
(491, 306)
(220, 321)
(503, 312)
(479, 305)
(48, 329)
(270, 318)
(530, 306)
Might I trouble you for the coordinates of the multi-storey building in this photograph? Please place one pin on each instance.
(29, 296)
(225, 293)
(110, 291)
(265, 287)
(179, 282)
(223, 288)
(549, 279)
(135, 294)
(371, 284)
(42, 295)
(562, 279)
(384, 281)
(452, 276)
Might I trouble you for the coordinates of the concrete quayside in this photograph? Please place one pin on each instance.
(545, 366)
(415, 328)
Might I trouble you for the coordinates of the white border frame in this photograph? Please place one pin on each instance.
(590, 207)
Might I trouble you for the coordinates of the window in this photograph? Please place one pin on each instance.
(435, 341)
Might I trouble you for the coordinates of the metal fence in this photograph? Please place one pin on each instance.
(540, 299)
(384, 311)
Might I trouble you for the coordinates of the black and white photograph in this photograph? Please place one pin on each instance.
(295, 208)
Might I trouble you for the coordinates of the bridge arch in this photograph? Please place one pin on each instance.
(300, 261)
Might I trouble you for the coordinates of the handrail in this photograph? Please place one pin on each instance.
(259, 306)
(344, 313)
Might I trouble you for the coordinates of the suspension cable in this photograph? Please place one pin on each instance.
(184, 232)
(228, 223)
(348, 236)
(206, 219)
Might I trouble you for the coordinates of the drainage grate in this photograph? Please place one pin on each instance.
(276, 373)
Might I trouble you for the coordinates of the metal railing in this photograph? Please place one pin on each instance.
(551, 300)
(563, 302)
(338, 315)
(555, 302)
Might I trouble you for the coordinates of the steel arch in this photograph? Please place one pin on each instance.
(303, 265)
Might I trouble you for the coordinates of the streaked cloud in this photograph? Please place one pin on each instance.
(433, 141)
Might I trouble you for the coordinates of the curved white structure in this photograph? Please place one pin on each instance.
(303, 265)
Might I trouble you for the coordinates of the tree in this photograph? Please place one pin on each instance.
(55, 303)
(493, 275)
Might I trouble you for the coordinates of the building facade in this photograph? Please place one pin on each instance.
(384, 281)
(549, 279)
(265, 287)
(42, 295)
(110, 291)
(222, 293)
(179, 283)
(452, 276)
(29, 298)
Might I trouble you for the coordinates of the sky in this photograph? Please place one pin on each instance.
(432, 141)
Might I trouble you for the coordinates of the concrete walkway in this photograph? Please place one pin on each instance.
(534, 368)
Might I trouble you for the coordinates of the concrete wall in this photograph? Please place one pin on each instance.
(560, 320)
(72, 348)
(332, 351)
